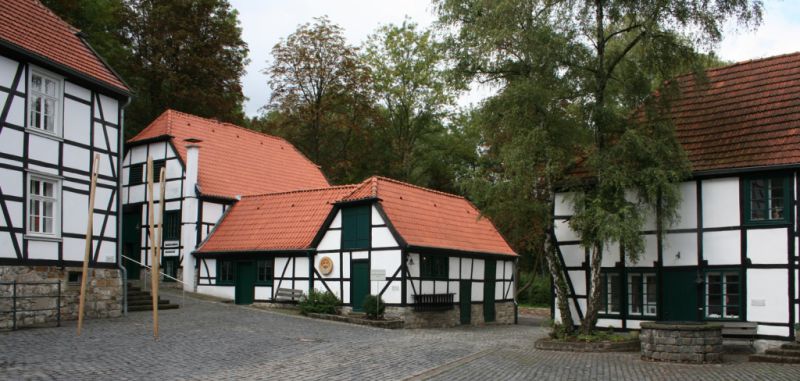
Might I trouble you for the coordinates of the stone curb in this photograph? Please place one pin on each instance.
(630, 345)
(387, 324)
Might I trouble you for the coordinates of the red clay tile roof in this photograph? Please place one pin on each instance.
(29, 25)
(289, 221)
(747, 115)
(432, 219)
(234, 160)
(278, 221)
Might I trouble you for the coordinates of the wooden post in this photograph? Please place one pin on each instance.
(88, 251)
(157, 261)
(152, 234)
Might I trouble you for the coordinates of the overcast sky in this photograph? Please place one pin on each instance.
(265, 22)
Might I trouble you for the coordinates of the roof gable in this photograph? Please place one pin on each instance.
(274, 222)
(32, 27)
(234, 160)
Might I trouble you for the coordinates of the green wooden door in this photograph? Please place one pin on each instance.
(245, 282)
(465, 301)
(488, 291)
(131, 242)
(169, 266)
(359, 284)
(679, 295)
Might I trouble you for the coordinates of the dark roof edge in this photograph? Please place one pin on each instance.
(441, 250)
(44, 61)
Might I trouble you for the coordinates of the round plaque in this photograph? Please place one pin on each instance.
(325, 265)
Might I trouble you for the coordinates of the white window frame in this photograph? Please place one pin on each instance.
(58, 115)
(57, 198)
(647, 308)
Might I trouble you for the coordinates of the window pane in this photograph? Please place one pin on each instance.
(35, 187)
(47, 189)
(635, 294)
(50, 87)
(48, 209)
(616, 293)
(36, 82)
(758, 199)
(47, 225)
(36, 104)
(49, 112)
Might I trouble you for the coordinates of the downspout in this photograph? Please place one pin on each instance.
(121, 153)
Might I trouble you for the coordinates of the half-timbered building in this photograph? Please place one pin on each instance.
(208, 165)
(431, 256)
(60, 104)
(733, 255)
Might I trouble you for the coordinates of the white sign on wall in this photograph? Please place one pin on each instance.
(171, 252)
(377, 275)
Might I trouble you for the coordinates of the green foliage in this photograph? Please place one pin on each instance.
(538, 293)
(575, 82)
(322, 100)
(182, 54)
(319, 303)
(411, 88)
(374, 306)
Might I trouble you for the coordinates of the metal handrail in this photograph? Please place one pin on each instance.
(150, 269)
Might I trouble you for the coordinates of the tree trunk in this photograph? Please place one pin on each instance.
(593, 301)
(559, 284)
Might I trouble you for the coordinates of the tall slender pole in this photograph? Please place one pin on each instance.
(159, 235)
(88, 250)
(152, 234)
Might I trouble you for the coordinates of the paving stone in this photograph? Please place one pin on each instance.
(210, 340)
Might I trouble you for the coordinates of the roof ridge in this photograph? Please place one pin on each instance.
(333, 187)
(420, 187)
(227, 124)
(742, 63)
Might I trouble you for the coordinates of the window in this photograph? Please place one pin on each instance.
(611, 294)
(434, 266)
(265, 272)
(136, 174)
(355, 227)
(723, 295)
(157, 165)
(224, 272)
(767, 199)
(44, 102)
(43, 196)
(642, 294)
(172, 225)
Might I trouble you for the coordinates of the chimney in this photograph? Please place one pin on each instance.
(190, 226)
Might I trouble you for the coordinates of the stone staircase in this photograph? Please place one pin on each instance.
(788, 353)
(139, 300)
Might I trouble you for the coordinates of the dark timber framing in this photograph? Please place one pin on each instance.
(790, 224)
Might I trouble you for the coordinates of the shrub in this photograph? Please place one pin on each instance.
(374, 306)
(319, 303)
(538, 294)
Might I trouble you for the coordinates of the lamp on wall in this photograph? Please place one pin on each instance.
(410, 261)
(699, 279)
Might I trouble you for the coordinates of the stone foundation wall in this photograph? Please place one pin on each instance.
(504, 314)
(103, 298)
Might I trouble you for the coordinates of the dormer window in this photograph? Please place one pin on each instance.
(44, 103)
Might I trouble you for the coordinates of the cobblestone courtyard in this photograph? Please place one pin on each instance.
(209, 340)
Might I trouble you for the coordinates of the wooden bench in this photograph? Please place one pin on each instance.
(433, 302)
(288, 294)
(745, 330)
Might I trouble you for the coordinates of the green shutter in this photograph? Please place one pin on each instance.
(172, 225)
(356, 227)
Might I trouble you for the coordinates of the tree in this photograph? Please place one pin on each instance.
(188, 55)
(182, 54)
(409, 80)
(608, 54)
(321, 94)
